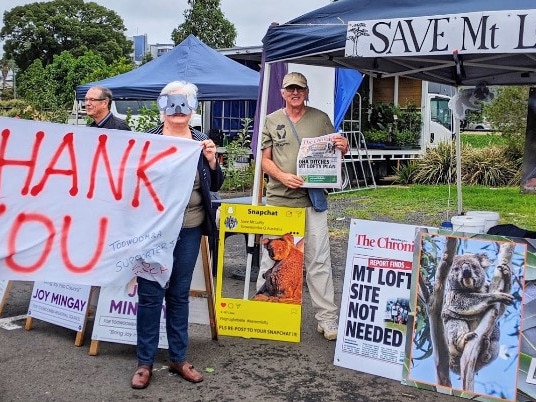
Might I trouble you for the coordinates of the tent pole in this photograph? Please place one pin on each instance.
(258, 178)
(458, 161)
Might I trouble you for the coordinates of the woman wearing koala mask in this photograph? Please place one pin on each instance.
(177, 102)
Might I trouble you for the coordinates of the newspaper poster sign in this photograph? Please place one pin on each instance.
(375, 299)
(319, 162)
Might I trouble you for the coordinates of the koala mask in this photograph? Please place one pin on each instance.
(176, 103)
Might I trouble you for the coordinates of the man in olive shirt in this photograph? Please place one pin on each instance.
(281, 138)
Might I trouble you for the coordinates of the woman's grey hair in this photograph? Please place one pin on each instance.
(186, 88)
(181, 87)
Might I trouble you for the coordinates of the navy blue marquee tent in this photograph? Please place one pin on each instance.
(455, 42)
(216, 76)
(319, 38)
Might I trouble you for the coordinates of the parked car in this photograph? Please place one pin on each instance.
(482, 126)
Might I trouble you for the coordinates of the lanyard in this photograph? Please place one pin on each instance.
(292, 127)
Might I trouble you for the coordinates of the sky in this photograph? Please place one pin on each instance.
(158, 18)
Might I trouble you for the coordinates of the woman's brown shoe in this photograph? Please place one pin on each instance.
(186, 371)
(142, 377)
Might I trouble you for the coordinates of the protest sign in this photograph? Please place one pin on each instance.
(115, 318)
(90, 206)
(464, 338)
(272, 313)
(319, 162)
(375, 299)
(4, 290)
(62, 304)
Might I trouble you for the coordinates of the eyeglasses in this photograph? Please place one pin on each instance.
(290, 89)
(94, 99)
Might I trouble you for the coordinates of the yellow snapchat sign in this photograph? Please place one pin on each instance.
(273, 311)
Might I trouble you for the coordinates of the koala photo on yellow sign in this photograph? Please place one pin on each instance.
(273, 311)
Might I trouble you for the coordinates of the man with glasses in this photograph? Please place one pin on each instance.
(98, 102)
(281, 138)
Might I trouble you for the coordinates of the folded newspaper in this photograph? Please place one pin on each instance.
(319, 162)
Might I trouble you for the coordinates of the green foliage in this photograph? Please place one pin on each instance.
(382, 116)
(400, 126)
(482, 140)
(489, 166)
(16, 108)
(41, 30)
(474, 116)
(508, 113)
(409, 119)
(52, 87)
(376, 136)
(21, 108)
(103, 70)
(239, 172)
(406, 138)
(147, 119)
(36, 88)
(147, 57)
(437, 166)
(404, 173)
(207, 22)
(7, 94)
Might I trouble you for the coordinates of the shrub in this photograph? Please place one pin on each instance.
(488, 166)
(406, 138)
(147, 119)
(376, 136)
(437, 166)
(237, 176)
(404, 174)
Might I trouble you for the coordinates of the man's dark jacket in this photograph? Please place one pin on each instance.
(112, 122)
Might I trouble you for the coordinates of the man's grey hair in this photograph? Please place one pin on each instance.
(105, 93)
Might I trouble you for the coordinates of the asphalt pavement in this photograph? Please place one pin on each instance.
(43, 364)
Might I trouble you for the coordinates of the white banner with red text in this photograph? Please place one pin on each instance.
(90, 206)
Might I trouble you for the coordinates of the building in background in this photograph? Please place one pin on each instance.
(159, 49)
(140, 47)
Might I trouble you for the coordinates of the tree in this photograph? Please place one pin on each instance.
(508, 111)
(52, 87)
(5, 67)
(39, 31)
(147, 57)
(206, 21)
(508, 114)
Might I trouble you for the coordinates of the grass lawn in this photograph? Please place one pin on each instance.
(430, 205)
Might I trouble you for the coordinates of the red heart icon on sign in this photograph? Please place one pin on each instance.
(223, 304)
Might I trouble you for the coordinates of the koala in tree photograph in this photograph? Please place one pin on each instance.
(467, 298)
(464, 334)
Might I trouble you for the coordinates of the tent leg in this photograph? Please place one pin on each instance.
(458, 165)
